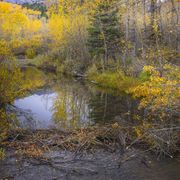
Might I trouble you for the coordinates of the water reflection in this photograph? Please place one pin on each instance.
(108, 107)
(71, 108)
(38, 110)
(67, 103)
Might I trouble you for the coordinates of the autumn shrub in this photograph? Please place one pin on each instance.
(144, 76)
(10, 75)
(5, 51)
(20, 28)
(48, 61)
(68, 34)
(10, 81)
(159, 91)
(13, 84)
(30, 53)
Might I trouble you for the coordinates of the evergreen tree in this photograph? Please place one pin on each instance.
(37, 7)
(104, 33)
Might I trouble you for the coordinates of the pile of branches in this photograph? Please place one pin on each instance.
(110, 138)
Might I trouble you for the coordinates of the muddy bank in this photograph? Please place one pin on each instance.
(101, 165)
(82, 154)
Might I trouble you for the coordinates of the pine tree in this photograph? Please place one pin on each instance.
(104, 33)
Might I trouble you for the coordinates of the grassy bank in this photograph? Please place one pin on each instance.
(116, 80)
(113, 80)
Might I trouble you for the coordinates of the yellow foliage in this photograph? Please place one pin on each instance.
(62, 28)
(10, 76)
(138, 132)
(57, 27)
(18, 25)
(70, 7)
(160, 91)
(4, 50)
(30, 53)
(10, 79)
(13, 24)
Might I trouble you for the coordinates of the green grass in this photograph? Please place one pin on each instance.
(114, 80)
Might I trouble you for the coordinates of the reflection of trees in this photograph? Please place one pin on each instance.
(70, 109)
(76, 105)
(32, 78)
(106, 107)
(13, 84)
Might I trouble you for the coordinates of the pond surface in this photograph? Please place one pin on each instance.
(70, 103)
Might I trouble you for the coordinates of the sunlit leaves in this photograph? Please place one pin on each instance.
(17, 24)
(160, 91)
(68, 38)
(4, 50)
(61, 27)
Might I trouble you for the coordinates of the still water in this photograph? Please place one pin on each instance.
(63, 103)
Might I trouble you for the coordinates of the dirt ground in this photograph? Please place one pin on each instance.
(101, 165)
(80, 155)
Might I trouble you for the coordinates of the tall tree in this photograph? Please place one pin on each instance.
(104, 33)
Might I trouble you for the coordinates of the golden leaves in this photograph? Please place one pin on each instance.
(159, 91)
(63, 28)
(18, 24)
(4, 50)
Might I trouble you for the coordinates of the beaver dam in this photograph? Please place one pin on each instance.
(71, 129)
